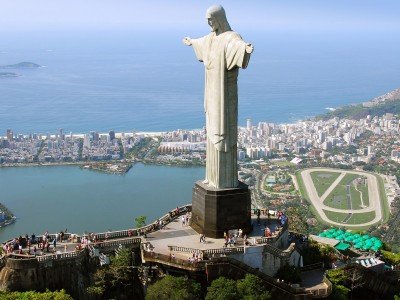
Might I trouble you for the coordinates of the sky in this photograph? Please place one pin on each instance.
(18, 16)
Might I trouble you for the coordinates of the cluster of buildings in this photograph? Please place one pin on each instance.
(60, 147)
(182, 146)
(318, 138)
(306, 139)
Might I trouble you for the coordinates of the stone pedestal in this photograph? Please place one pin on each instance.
(215, 211)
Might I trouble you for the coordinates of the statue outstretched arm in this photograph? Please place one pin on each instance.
(187, 41)
(249, 48)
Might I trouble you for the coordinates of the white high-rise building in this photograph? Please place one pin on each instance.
(248, 124)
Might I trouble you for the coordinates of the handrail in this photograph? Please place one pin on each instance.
(58, 256)
(205, 252)
(129, 241)
(173, 261)
(274, 236)
(112, 238)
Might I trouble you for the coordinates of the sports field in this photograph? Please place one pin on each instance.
(347, 198)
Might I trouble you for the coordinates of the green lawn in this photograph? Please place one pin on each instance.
(283, 163)
(358, 218)
(323, 180)
(362, 218)
(341, 216)
(338, 197)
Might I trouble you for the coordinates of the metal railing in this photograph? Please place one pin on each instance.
(59, 256)
(173, 261)
(107, 239)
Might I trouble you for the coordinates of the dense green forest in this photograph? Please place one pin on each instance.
(358, 111)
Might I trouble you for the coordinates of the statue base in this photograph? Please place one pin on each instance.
(214, 211)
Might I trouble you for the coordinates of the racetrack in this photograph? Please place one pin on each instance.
(318, 202)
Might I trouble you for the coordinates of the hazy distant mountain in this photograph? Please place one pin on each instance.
(8, 74)
(21, 65)
(387, 103)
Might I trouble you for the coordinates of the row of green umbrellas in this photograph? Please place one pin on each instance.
(359, 241)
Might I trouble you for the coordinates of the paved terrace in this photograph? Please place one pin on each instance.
(183, 241)
(173, 237)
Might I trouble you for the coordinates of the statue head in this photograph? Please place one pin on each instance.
(217, 19)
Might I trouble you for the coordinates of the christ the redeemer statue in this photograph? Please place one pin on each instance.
(223, 52)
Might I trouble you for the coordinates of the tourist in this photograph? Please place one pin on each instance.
(183, 220)
(246, 242)
(33, 238)
(54, 243)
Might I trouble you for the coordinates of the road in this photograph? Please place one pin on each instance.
(318, 202)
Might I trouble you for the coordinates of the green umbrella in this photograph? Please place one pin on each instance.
(340, 237)
(365, 237)
(357, 240)
(332, 230)
(365, 247)
(322, 234)
(340, 231)
(334, 233)
(357, 246)
(348, 233)
(349, 238)
(357, 235)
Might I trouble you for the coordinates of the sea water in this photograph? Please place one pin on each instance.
(128, 81)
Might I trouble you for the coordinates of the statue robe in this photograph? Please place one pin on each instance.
(222, 55)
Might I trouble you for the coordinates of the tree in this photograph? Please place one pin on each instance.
(338, 277)
(174, 288)
(31, 295)
(252, 288)
(140, 221)
(118, 279)
(222, 289)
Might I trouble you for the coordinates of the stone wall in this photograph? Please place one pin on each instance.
(71, 274)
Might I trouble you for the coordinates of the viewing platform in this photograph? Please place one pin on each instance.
(170, 242)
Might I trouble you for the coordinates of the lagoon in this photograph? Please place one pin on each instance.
(58, 197)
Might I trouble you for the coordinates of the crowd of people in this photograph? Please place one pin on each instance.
(34, 245)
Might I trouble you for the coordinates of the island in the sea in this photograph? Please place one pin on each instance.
(108, 167)
(6, 216)
(21, 65)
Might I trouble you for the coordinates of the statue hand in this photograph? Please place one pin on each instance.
(187, 41)
(249, 48)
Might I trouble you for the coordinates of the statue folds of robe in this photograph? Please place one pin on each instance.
(222, 54)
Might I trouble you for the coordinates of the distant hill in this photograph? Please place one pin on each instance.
(21, 65)
(8, 74)
(388, 103)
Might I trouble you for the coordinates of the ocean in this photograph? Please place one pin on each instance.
(128, 81)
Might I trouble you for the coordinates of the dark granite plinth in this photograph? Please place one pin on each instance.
(215, 211)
